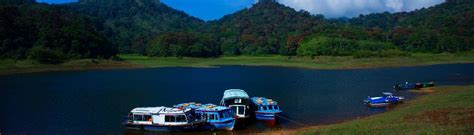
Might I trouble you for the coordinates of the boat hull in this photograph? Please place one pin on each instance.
(163, 128)
(270, 119)
(226, 125)
(378, 104)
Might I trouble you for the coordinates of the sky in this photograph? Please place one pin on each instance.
(215, 9)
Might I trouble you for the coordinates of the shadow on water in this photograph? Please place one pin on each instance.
(94, 102)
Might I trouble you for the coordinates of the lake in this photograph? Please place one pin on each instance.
(95, 102)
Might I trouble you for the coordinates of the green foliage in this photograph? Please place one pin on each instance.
(383, 53)
(132, 24)
(326, 46)
(46, 55)
(443, 28)
(265, 28)
(98, 28)
(55, 32)
(318, 46)
(184, 44)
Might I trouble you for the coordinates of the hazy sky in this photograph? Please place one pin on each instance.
(215, 9)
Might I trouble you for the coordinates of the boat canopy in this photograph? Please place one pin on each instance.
(212, 107)
(235, 93)
(387, 94)
(157, 110)
(201, 107)
(263, 101)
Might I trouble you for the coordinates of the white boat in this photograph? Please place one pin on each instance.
(162, 119)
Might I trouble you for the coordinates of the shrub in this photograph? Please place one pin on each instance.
(46, 55)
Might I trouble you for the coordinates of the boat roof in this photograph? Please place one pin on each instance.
(263, 101)
(156, 110)
(235, 93)
(201, 107)
(212, 107)
(387, 94)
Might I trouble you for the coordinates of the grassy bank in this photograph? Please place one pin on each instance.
(447, 110)
(323, 62)
(29, 66)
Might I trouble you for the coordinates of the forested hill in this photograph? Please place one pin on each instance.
(16, 2)
(265, 28)
(446, 27)
(49, 34)
(131, 24)
(98, 28)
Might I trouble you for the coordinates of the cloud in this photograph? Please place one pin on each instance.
(352, 8)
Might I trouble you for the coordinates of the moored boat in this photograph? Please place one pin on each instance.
(162, 119)
(383, 101)
(411, 86)
(265, 109)
(238, 101)
(216, 117)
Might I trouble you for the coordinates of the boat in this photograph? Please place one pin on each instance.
(216, 117)
(162, 119)
(383, 101)
(238, 101)
(265, 109)
(411, 86)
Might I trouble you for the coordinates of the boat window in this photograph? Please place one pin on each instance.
(238, 100)
(276, 107)
(234, 109)
(261, 107)
(221, 114)
(169, 118)
(198, 116)
(138, 117)
(265, 108)
(146, 118)
(211, 117)
(241, 110)
(180, 118)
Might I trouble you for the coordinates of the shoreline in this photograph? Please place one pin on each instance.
(75, 65)
(431, 119)
(321, 62)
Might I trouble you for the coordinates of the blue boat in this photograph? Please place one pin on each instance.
(383, 101)
(216, 117)
(265, 109)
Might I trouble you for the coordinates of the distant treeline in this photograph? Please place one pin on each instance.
(103, 28)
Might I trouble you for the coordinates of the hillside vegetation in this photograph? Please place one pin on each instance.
(49, 34)
(103, 28)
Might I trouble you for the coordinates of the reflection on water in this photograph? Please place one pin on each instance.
(94, 102)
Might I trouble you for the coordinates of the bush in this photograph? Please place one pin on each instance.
(116, 58)
(384, 53)
(46, 55)
(326, 46)
(343, 47)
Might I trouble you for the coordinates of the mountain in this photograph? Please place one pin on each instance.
(49, 34)
(131, 24)
(16, 2)
(265, 28)
(446, 27)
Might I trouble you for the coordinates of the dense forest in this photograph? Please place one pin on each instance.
(446, 27)
(103, 28)
(132, 24)
(48, 34)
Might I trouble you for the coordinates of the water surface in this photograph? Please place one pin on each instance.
(95, 102)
